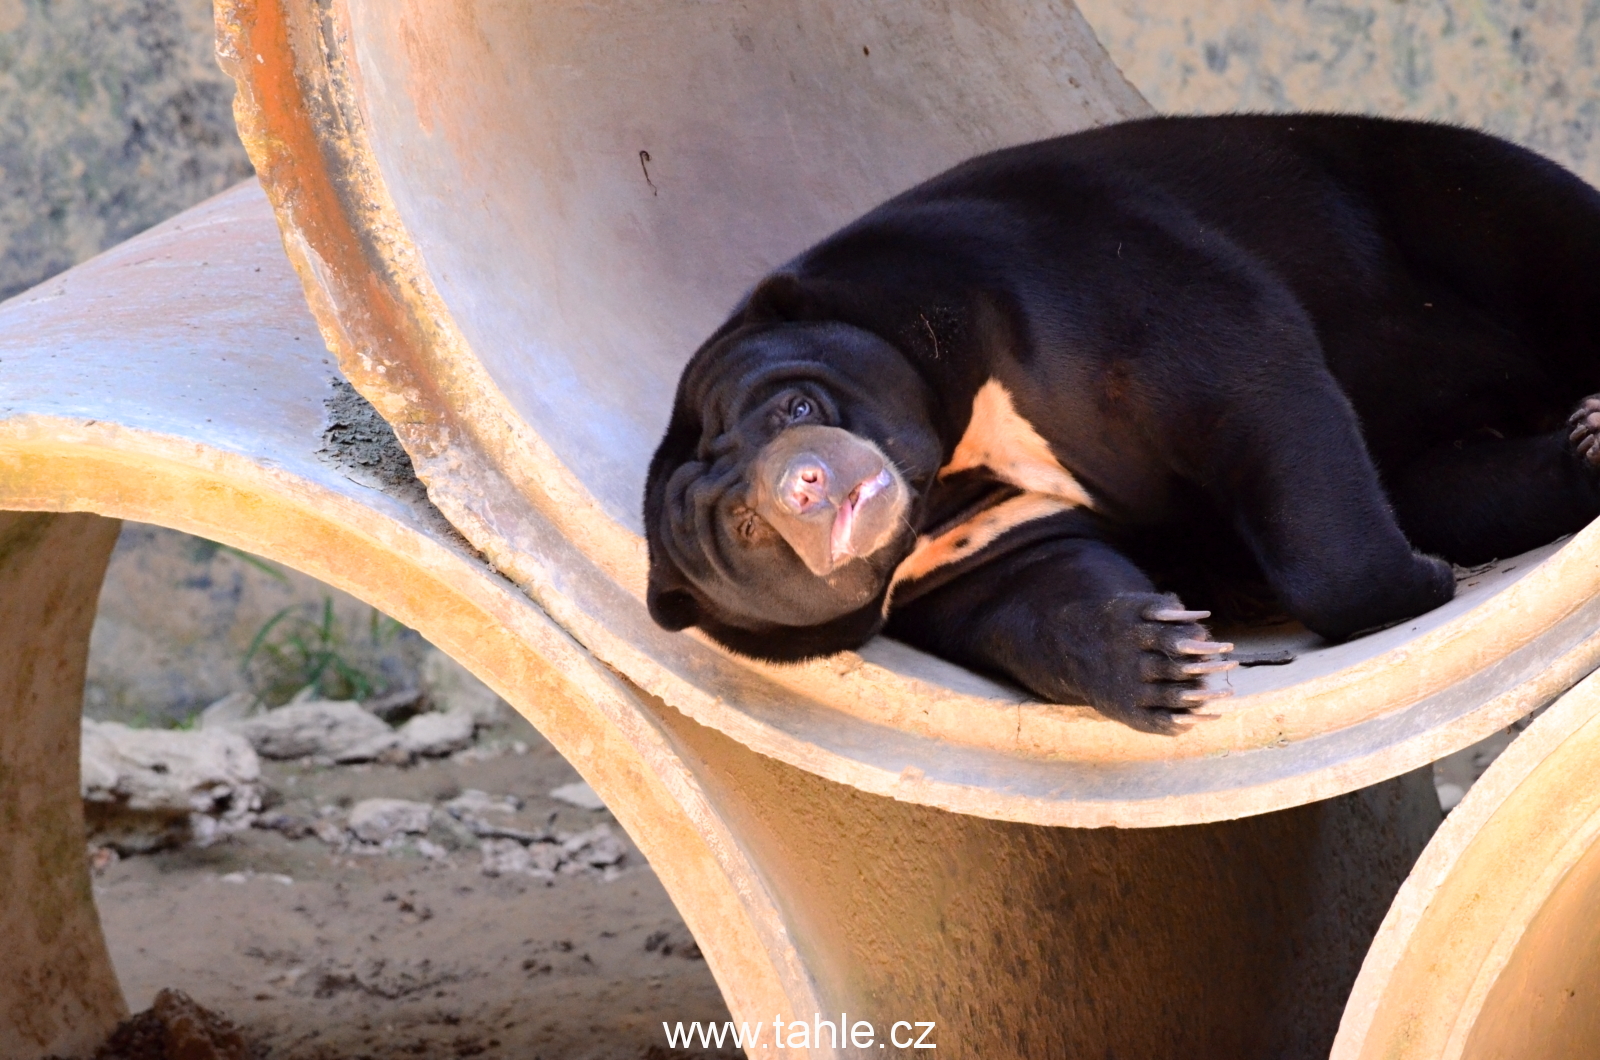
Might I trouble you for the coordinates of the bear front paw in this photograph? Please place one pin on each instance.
(1584, 440)
(1144, 660)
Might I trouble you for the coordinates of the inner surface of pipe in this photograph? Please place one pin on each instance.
(594, 186)
(1544, 1002)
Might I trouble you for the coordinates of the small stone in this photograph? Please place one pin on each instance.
(231, 708)
(331, 833)
(145, 789)
(398, 706)
(473, 802)
(503, 857)
(102, 858)
(603, 853)
(289, 825)
(596, 847)
(1450, 796)
(435, 735)
(544, 857)
(338, 730)
(578, 794)
(378, 820)
(451, 834)
(175, 1026)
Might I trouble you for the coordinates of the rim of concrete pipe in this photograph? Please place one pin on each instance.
(1492, 947)
(178, 379)
(515, 221)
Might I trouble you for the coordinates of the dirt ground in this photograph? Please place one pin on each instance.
(318, 955)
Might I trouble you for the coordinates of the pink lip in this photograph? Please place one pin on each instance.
(844, 524)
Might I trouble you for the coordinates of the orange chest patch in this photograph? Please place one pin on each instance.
(1000, 439)
(974, 535)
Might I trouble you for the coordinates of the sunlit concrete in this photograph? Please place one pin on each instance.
(178, 380)
(58, 993)
(1491, 951)
(515, 221)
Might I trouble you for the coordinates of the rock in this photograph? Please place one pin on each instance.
(502, 857)
(175, 1027)
(380, 820)
(470, 807)
(433, 735)
(596, 847)
(145, 789)
(339, 730)
(231, 708)
(433, 851)
(473, 802)
(579, 794)
(398, 706)
(1450, 795)
(331, 832)
(291, 826)
(451, 834)
(451, 687)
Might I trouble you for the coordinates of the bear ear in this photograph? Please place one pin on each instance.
(671, 604)
(780, 296)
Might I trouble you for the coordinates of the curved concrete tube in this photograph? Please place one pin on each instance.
(58, 993)
(514, 223)
(1492, 948)
(178, 380)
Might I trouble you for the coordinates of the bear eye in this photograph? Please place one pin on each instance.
(800, 409)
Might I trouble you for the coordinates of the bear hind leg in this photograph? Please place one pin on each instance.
(1472, 502)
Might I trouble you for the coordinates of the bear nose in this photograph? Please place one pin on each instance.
(804, 484)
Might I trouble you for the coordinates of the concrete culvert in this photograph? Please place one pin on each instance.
(515, 238)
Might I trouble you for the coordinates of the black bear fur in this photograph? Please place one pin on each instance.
(1325, 354)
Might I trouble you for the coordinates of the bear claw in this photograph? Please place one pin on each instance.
(1210, 666)
(1202, 647)
(1174, 614)
(1199, 696)
(1585, 436)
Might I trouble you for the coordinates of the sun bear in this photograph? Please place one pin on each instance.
(1010, 415)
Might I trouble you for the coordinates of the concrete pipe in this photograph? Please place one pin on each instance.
(515, 221)
(57, 989)
(1492, 948)
(178, 380)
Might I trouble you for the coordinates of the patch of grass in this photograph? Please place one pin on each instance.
(294, 649)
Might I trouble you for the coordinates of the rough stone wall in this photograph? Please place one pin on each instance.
(1524, 69)
(113, 116)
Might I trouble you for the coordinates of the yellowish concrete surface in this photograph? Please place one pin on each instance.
(174, 381)
(515, 222)
(58, 993)
(1492, 947)
(177, 380)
